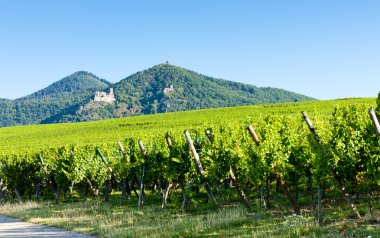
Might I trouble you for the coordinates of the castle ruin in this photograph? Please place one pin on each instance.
(105, 97)
(169, 90)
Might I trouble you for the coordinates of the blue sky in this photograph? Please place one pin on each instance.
(324, 49)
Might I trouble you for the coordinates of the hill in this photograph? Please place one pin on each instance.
(161, 88)
(191, 90)
(7, 112)
(45, 103)
(168, 88)
(73, 84)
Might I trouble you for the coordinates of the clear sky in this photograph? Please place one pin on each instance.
(325, 49)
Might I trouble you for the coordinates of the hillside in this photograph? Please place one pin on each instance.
(191, 91)
(73, 84)
(161, 88)
(168, 88)
(113, 130)
(45, 103)
(7, 112)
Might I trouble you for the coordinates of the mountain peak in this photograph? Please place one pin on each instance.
(144, 92)
(79, 81)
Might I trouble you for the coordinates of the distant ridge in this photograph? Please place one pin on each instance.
(159, 89)
(43, 104)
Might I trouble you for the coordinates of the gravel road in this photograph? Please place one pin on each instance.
(14, 228)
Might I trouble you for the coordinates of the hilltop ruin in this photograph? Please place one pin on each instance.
(105, 97)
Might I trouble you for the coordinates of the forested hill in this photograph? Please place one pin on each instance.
(168, 88)
(43, 104)
(145, 91)
(76, 83)
(162, 88)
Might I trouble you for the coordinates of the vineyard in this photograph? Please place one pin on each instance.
(311, 150)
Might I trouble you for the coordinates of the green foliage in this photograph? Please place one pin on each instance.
(347, 147)
(348, 141)
(37, 137)
(21, 172)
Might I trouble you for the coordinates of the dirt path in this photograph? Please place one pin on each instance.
(10, 227)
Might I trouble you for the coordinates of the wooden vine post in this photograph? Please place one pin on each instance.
(232, 176)
(211, 139)
(104, 160)
(316, 136)
(169, 184)
(145, 155)
(254, 136)
(240, 191)
(121, 148)
(124, 181)
(256, 139)
(313, 131)
(55, 191)
(374, 120)
(339, 180)
(278, 178)
(310, 124)
(181, 178)
(71, 186)
(199, 166)
(44, 168)
(108, 182)
(169, 142)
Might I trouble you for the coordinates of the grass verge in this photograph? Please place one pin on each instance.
(113, 220)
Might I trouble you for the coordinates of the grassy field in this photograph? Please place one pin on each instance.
(36, 137)
(113, 220)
